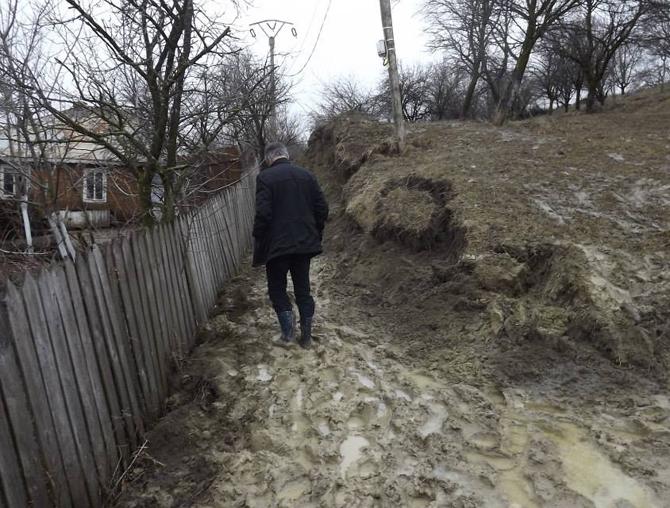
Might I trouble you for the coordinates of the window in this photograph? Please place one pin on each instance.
(95, 186)
(10, 182)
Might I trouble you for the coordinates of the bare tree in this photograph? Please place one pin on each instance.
(247, 83)
(594, 35)
(414, 93)
(546, 71)
(129, 78)
(465, 29)
(344, 95)
(534, 18)
(624, 66)
(445, 89)
(34, 150)
(655, 39)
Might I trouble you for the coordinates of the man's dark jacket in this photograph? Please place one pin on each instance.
(291, 213)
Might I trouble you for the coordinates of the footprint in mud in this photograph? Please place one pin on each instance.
(351, 451)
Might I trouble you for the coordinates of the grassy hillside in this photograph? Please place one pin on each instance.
(551, 234)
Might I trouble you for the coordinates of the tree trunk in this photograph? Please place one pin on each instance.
(551, 106)
(469, 95)
(566, 106)
(169, 196)
(591, 99)
(511, 92)
(506, 102)
(144, 180)
(578, 99)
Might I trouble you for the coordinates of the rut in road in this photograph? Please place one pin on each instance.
(350, 423)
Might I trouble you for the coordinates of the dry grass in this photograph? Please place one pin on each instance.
(595, 188)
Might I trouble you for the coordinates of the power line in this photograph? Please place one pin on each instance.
(309, 27)
(318, 37)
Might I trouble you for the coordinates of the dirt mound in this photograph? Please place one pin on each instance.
(544, 234)
(346, 144)
(413, 211)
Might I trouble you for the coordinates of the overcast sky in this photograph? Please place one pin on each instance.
(347, 45)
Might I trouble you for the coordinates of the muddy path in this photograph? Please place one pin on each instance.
(357, 422)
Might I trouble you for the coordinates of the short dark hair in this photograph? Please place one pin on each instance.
(276, 150)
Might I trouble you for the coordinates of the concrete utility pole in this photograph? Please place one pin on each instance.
(271, 28)
(398, 118)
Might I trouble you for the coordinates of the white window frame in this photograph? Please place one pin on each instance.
(3, 168)
(85, 186)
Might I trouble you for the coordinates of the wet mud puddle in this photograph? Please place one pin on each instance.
(348, 424)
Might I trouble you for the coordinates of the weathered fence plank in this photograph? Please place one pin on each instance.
(148, 269)
(120, 340)
(145, 367)
(95, 372)
(122, 331)
(178, 257)
(114, 401)
(18, 412)
(171, 291)
(37, 396)
(195, 247)
(37, 317)
(149, 308)
(61, 294)
(185, 245)
(85, 363)
(135, 280)
(116, 349)
(69, 383)
(160, 295)
(10, 467)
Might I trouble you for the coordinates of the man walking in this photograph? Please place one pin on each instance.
(291, 213)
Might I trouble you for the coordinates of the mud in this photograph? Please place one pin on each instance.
(358, 422)
(492, 331)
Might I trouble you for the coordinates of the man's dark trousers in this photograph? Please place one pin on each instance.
(277, 269)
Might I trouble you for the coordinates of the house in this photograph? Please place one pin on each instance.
(89, 186)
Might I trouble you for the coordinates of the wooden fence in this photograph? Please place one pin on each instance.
(86, 347)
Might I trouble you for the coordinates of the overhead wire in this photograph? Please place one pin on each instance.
(309, 27)
(316, 43)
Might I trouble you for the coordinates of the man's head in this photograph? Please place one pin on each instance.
(274, 151)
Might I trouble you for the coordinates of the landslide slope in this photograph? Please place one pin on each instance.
(520, 246)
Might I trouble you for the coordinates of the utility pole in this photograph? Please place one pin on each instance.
(271, 28)
(398, 118)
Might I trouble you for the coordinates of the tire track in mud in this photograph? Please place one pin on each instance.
(350, 424)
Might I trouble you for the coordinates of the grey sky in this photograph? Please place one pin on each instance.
(348, 41)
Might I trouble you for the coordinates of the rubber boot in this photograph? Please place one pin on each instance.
(306, 333)
(287, 324)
